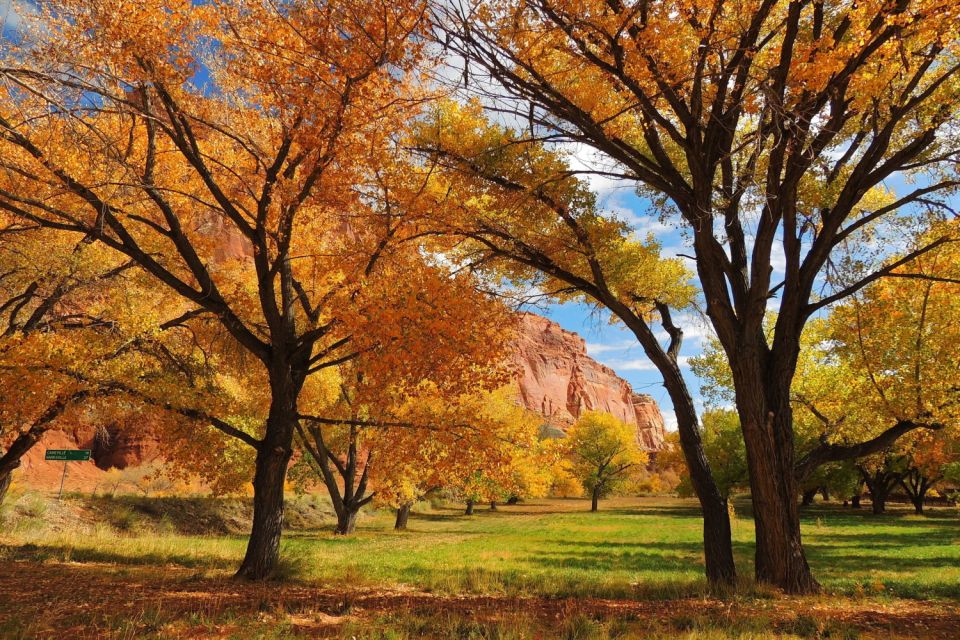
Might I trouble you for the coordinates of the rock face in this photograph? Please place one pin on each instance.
(560, 381)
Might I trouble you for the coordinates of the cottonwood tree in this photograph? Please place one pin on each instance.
(758, 127)
(876, 379)
(84, 344)
(604, 451)
(515, 212)
(928, 459)
(503, 461)
(383, 418)
(240, 153)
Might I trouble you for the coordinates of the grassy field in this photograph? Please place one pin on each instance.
(644, 552)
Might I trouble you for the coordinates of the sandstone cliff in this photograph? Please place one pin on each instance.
(560, 381)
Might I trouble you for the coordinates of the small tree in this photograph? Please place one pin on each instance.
(604, 451)
(929, 456)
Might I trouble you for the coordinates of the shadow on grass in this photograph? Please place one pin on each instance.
(64, 553)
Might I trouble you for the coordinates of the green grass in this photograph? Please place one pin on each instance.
(633, 548)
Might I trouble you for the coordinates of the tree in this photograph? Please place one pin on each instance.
(929, 456)
(604, 451)
(515, 211)
(509, 461)
(85, 341)
(881, 473)
(373, 416)
(756, 127)
(243, 155)
(876, 380)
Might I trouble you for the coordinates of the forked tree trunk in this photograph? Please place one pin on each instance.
(595, 500)
(346, 522)
(825, 494)
(808, 497)
(880, 483)
(916, 486)
(403, 516)
(469, 509)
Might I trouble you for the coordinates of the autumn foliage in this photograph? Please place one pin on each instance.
(284, 232)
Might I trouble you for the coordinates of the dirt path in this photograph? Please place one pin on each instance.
(68, 600)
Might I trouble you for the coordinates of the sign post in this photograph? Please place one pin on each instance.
(67, 455)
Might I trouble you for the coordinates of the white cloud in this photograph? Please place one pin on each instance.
(595, 349)
(585, 158)
(642, 364)
(669, 420)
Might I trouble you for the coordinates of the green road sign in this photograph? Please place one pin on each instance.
(67, 454)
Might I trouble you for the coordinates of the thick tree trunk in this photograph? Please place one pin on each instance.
(469, 509)
(763, 403)
(347, 521)
(878, 503)
(403, 516)
(595, 500)
(493, 505)
(880, 483)
(808, 497)
(5, 480)
(263, 547)
(270, 474)
(825, 494)
(916, 500)
(855, 501)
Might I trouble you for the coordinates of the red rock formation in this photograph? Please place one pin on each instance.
(560, 381)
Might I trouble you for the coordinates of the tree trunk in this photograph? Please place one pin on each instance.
(595, 500)
(347, 521)
(493, 505)
(5, 480)
(717, 547)
(855, 501)
(808, 497)
(263, 547)
(270, 474)
(916, 486)
(880, 483)
(766, 418)
(469, 510)
(403, 515)
(916, 500)
(512, 500)
(825, 494)
(878, 503)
